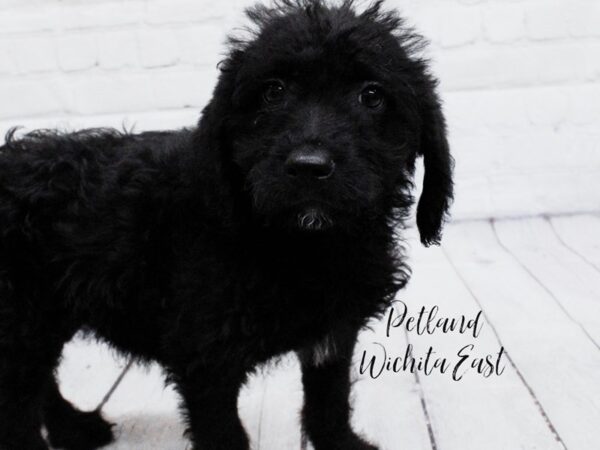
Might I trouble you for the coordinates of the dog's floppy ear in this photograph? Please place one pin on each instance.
(437, 181)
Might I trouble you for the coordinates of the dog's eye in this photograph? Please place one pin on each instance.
(371, 97)
(274, 92)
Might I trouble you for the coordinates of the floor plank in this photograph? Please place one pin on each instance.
(557, 360)
(574, 284)
(580, 235)
(280, 405)
(250, 406)
(87, 372)
(475, 412)
(145, 412)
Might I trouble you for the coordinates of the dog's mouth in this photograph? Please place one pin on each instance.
(313, 219)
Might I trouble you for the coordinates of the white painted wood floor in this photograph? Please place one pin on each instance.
(538, 284)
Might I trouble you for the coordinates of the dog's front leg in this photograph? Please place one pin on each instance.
(210, 402)
(326, 380)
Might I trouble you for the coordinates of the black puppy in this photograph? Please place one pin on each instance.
(269, 228)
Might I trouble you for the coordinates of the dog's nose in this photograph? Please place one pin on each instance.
(309, 164)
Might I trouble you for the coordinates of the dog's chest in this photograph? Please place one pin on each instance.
(285, 314)
(259, 305)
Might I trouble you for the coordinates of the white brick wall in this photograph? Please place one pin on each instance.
(520, 79)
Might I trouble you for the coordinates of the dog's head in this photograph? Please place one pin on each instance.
(321, 115)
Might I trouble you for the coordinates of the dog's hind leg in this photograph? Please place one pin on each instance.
(24, 370)
(71, 429)
(21, 386)
(31, 341)
(27, 358)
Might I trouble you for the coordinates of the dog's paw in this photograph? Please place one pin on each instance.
(349, 441)
(355, 442)
(30, 443)
(80, 431)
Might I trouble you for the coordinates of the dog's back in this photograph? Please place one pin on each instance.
(45, 173)
(73, 205)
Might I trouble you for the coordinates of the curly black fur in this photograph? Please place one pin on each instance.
(202, 250)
